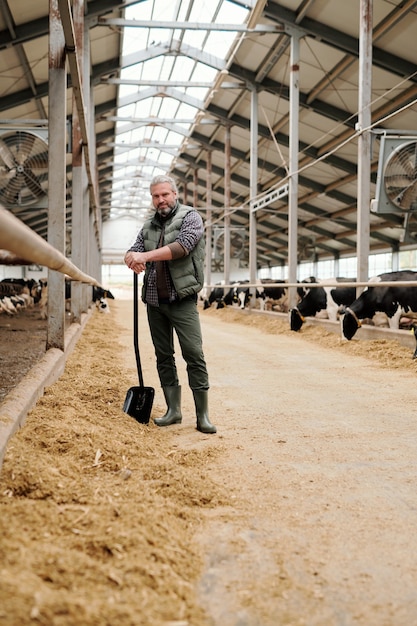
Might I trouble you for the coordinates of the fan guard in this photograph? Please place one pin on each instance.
(306, 248)
(23, 168)
(237, 242)
(400, 176)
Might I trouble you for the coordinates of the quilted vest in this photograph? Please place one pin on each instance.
(187, 273)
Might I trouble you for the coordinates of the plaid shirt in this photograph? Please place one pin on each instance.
(192, 229)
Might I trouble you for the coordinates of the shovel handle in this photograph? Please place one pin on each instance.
(136, 327)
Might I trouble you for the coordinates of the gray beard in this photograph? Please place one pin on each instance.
(164, 212)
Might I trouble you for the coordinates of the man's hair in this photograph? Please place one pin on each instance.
(162, 178)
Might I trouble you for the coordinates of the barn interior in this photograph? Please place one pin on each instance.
(291, 126)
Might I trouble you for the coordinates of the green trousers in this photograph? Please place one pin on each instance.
(183, 317)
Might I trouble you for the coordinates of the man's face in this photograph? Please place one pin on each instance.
(163, 198)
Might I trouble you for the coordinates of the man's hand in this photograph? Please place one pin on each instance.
(135, 261)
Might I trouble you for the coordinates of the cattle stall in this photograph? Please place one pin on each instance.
(29, 343)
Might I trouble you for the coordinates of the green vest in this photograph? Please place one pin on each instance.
(187, 273)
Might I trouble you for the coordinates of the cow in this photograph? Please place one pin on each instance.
(19, 302)
(267, 293)
(241, 294)
(392, 300)
(7, 305)
(99, 292)
(322, 298)
(12, 304)
(17, 294)
(20, 286)
(102, 305)
(96, 295)
(43, 299)
(221, 295)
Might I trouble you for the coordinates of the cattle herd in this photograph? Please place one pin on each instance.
(396, 304)
(22, 293)
(381, 305)
(268, 293)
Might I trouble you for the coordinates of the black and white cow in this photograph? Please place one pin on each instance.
(20, 286)
(269, 292)
(99, 293)
(7, 305)
(392, 300)
(221, 295)
(103, 306)
(96, 295)
(322, 298)
(265, 291)
(241, 294)
(17, 294)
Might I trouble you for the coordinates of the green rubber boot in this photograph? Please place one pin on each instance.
(201, 406)
(173, 414)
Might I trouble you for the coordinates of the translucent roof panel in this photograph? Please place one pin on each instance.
(179, 53)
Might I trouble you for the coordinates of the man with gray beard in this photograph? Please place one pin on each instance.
(170, 250)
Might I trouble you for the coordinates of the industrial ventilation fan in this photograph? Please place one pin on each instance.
(237, 242)
(396, 185)
(306, 249)
(23, 168)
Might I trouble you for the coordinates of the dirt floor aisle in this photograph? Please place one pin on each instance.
(301, 511)
(319, 453)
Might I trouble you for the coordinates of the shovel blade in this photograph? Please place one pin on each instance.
(138, 403)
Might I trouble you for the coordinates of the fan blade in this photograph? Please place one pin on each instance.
(24, 147)
(38, 161)
(398, 181)
(6, 174)
(409, 161)
(10, 193)
(33, 184)
(6, 155)
(408, 197)
(403, 161)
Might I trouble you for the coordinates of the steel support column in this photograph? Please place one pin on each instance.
(70, 42)
(253, 182)
(95, 257)
(57, 115)
(293, 166)
(364, 140)
(209, 229)
(91, 217)
(227, 201)
(79, 179)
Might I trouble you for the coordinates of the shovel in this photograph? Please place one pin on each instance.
(139, 400)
